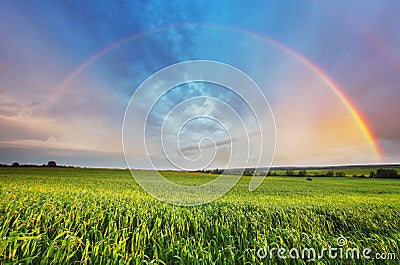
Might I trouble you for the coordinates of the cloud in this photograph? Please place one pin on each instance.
(39, 156)
(42, 44)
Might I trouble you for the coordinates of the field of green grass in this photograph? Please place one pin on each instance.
(100, 216)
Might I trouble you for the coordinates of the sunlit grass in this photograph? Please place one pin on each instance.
(54, 215)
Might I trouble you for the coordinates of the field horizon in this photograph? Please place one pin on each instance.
(372, 166)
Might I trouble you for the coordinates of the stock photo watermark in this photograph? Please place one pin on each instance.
(340, 251)
(200, 130)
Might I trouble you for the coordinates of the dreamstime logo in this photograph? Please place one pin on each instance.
(197, 115)
(341, 241)
(341, 251)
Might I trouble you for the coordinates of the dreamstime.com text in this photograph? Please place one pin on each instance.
(338, 252)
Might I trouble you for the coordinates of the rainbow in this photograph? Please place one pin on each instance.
(338, 91)
(60, 88)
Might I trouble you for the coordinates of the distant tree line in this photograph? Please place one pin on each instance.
(380, 173)
(51, 163)
(214, 171)
(386, 173)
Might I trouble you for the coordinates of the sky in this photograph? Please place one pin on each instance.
(329, 73)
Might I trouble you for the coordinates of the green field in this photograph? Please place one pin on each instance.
(99, 216)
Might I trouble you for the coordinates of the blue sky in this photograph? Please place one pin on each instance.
(356, 44)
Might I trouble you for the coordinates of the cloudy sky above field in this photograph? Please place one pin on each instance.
(330, 72)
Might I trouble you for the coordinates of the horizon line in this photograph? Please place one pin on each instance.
(175, 169)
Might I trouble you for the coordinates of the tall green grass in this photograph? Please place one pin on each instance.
(61, 216)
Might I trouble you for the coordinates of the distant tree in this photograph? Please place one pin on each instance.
(386, 173)
(302, 173)
(372, 174)
(340, 174)
(248, 173)
(51, 164)
(330, 173)
(289, 172)
(15, 164)
(217, 171)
